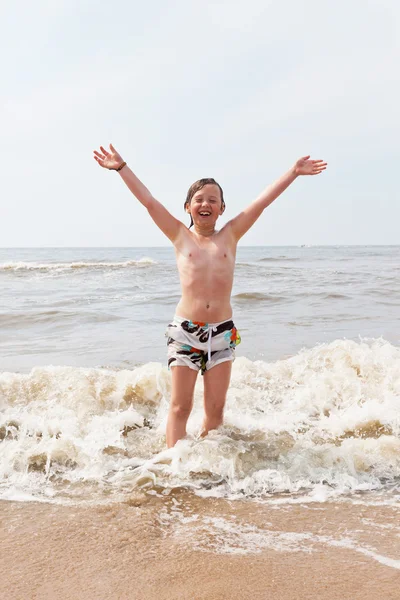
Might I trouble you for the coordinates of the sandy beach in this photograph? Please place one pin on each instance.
(190, 548)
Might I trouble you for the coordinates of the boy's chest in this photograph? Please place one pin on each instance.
(207, 255)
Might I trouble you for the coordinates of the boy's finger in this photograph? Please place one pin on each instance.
(98, 160)
(112, 148)
(98, 154)
(104, 151)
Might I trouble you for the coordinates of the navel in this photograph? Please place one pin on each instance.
(208, 306)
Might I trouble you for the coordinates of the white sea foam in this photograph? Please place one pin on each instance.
(320, 424)
(67, 266)
(229, 536)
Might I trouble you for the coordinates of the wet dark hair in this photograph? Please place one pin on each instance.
(198, 185)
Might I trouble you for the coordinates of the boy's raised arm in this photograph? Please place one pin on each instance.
(244, 220)
(160, 215)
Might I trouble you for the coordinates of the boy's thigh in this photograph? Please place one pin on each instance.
(183, 382)
(216, 384)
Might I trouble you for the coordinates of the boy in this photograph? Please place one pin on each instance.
(202, 335)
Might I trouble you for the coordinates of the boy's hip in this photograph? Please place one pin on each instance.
(203, 336)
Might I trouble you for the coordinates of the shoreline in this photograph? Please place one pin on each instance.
(194, 548)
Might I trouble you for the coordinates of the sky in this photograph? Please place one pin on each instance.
(189, 89)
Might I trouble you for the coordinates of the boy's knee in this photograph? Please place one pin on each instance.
(181, 411)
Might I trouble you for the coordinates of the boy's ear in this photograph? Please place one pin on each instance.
(187, 207)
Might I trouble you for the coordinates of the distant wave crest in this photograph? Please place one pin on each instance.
(67, 266)
(279, 259)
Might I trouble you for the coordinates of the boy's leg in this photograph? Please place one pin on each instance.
(216, 383)
(183, 382)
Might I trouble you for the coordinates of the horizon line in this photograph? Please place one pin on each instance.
(171, 246)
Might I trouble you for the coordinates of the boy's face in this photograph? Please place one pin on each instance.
(206, 205)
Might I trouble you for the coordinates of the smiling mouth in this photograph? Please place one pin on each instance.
(204, 214)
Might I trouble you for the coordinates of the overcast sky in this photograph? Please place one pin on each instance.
(189, 89)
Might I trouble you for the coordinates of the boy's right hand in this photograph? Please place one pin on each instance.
(108, 160)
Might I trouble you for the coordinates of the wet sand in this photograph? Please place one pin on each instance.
(183, 547)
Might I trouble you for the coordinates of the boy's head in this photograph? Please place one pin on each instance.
(204, 201)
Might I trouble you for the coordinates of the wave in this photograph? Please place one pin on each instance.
(34, 266)
(325, 419)
(59, 317)
(262, 297)
(257, 296)
(279, 259)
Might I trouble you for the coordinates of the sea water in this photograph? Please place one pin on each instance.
(313, 407)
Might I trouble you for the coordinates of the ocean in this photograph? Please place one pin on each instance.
(312, 414)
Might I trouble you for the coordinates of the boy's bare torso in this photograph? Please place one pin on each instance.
(205, 258)
(206, 266)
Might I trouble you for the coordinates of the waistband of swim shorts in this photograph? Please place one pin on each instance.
(182, 319)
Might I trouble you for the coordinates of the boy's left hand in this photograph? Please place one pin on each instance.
(305, 166)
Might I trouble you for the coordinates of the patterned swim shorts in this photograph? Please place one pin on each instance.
(200, 346)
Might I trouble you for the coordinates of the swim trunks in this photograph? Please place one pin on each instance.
(200, 346)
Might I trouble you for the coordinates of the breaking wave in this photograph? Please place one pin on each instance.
(326, 419)
(68, 266)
